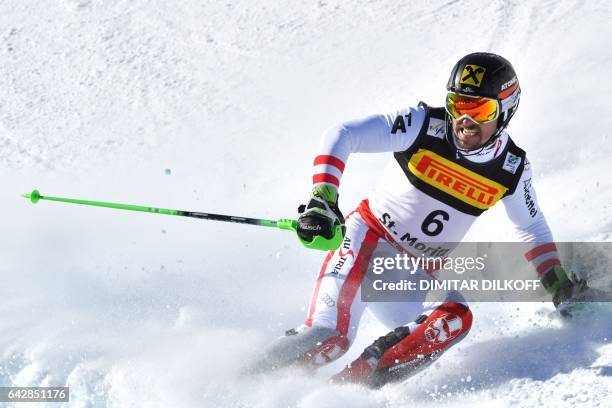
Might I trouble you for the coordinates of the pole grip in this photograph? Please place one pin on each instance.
(318, 242)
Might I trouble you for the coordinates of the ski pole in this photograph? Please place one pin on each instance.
(318, 242)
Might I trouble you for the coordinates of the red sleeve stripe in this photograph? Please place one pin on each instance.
(540, 250)
(546, 265)
(325, 178)
(331, 160)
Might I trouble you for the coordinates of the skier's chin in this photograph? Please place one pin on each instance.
(468, 142)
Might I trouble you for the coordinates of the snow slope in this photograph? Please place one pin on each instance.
(218, 106)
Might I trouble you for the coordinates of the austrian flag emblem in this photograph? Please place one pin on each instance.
(443, 329)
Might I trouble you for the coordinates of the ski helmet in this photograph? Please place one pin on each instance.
(487, 75)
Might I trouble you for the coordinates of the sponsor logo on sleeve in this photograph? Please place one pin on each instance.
(436, 128)
(454, 179)
(400, 123)
(533, 210)
(511, 163)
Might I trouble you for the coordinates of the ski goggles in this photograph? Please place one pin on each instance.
(480, 109)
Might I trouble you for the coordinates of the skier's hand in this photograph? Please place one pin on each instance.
(321, 215)
(567, 291)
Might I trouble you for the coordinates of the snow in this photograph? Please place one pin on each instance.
(217, 107)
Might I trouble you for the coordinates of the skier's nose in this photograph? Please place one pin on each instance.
(467, 120)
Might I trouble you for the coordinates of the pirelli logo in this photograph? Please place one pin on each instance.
(455, 180)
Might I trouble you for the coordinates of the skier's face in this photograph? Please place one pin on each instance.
(471, 135)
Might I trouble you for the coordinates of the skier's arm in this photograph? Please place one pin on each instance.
(374, 134)
(531, 226)
(378, 133)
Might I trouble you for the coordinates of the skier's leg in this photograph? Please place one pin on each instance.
(411, 347)
(307, 345)
(335, 307)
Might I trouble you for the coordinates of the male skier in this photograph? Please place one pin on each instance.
(450, 165)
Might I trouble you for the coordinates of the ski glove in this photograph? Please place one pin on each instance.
(567, 291)
(321, 215)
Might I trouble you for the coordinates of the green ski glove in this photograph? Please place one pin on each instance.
(321, 216)
(566, 291)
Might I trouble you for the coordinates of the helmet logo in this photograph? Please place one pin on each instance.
(472, 75)
(509, 83)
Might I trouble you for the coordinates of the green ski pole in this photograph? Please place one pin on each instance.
(320, 243)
